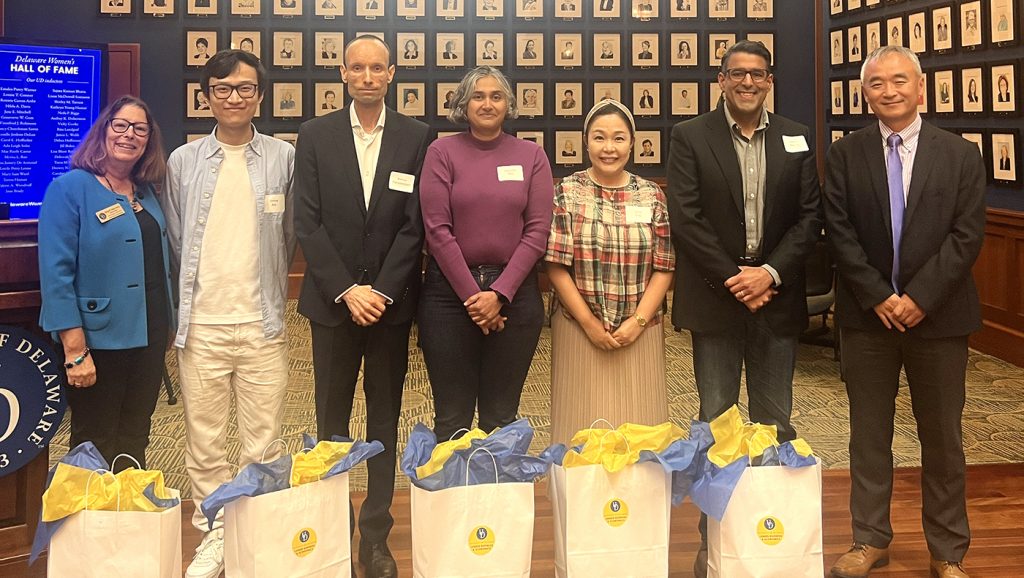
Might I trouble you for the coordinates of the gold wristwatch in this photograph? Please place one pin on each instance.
(640, 320)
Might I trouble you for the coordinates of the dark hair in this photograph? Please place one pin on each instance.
(222, 64)
(647, 141)
(754, 47)
(329, 92)
(202, 41)
(91, 154)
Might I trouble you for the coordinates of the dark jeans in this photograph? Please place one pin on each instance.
(469, 370)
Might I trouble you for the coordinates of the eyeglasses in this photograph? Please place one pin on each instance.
(223, 91)
(756, 74)
(121, 126)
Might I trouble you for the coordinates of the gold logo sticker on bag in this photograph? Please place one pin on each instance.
(616, 512)
(481, 540)
(770, 531)
(304, 542)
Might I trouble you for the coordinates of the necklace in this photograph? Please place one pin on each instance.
(136, 205)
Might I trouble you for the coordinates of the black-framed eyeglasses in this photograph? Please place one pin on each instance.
(756, 74)
(121, 126)
(223, 91)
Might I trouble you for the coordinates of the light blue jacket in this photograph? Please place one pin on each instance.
(92, 274)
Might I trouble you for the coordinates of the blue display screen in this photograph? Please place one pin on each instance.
(49, 97)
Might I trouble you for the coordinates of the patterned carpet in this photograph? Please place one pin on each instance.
(993, 419)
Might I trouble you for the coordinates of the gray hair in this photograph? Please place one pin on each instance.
(881, 52)
(465, 92)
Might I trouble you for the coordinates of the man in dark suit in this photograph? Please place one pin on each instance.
(358, 222)
(907, 184)
(744, 204)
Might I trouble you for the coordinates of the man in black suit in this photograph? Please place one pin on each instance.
(358, 222)
(907, 184)
(744, 204)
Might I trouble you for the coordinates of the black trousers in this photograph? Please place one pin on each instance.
(383, 350)
(469, 370)
(936, 370)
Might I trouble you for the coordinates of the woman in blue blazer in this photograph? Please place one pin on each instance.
(103, 270)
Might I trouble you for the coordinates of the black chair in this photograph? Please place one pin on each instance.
(821, 295)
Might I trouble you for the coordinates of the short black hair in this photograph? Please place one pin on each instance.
(754, 47)
(225, 62)
(202, 41)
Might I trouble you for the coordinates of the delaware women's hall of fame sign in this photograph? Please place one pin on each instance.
(32, 400)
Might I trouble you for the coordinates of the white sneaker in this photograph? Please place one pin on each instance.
(209, 559)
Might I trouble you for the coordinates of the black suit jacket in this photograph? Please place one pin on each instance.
(705, 201)
(343, 241)
(943, 228)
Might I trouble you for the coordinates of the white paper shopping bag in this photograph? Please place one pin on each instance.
(299, 532)
(611, 524)
(772, 526)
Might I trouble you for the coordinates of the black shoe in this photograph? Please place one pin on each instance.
(700, 564)
(377, 560)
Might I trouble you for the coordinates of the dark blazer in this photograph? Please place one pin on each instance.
(943, 228)
(705, 201)
(345, 243)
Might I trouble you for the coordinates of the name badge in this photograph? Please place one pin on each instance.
(273, 204)
(795, 144)
(637, 215)
(110, 213)
(510, 173)
(401, 181)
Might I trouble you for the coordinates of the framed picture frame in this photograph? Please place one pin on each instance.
(1003, 84)
(490, 9)
(569, 147)
(683, 48)
(766, 38)
(606, 91)
(115, 7)
(835, 42)
(837, 103)
(410, 97)
(411, 10)
(291, 8)
(246, 7)
(836, 134)
(529, 9)
(1002, 22)
(450, 49)
(917, 40)
(330, 48)
(760, 9)
(977, 137)
(569, 50)
(646, 99)
(872, 37)
(972, 86)
(328, 97)
(568, 99)
(943, 27)
(159, 8)
(199, 7)
(922, 99)
(607, 8)
(194, 136)
(607, 50)
(855, 97)
(569, 9)
(531, 98)
(287, 49)
(445, 97)
(534, 136)
(894, 34)
(644, 9)
(854, 51)
(646, 49)
(196, 103)
(200, 45)
(835, 7)
(250, 41)
(287, 99)
(717, 45)
(329, 9)
(853, 5)
(411, 49)
(714, 95)
(289, 137)
(872, 3)
(450, 9)
(682, 9)
(722, 9)
(647, 150)
(685, 99)
(970, 25)
(529, 49)
(370, 9)
(944, 90)
(490, 49)
(1005, 156)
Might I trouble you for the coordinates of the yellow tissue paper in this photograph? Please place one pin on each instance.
(444, 450)
(312, 465)
(106, 491)
(735, 439)
(618, 448)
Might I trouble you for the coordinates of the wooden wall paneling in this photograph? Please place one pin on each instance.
(124, 74)
(998, 273)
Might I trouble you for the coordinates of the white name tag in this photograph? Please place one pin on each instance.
(401, 182)
(510, 173)
(110, 213)
(795, 144)
(636, 215)
(273, 204)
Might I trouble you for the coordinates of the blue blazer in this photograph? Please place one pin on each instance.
(91, 273)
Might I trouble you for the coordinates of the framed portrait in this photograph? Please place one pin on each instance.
(1004, 157)
(769, 99)
(328, 97)
(246, 7)
(116, 7)
(529, 49)
(721, 8)
(568, 50)
(1003, 80)
(568, 9)
(490, 9)
(410, 96)
(287, 49)
(922, 99)
(450, 49)
(289, 137)
(644, 9)
(760, 9)
(606, 50)
(766, 38)
(447, 133)
(894, 31)
(647, 150)
(683, 49)
(856, 97)
(918, 39)
(287, 7)
(369, 9)
(159, 8)
(196, 7)
(608, 8)
(329, 48)
(248, 40)
(445, 97)
(410, 47)
(836, 135)
(607, 90)
(569, 147)
(852, 5)
(717, 45)
(835, 42)
(976, 137)
(329, 9)
(685, 98)
(646, 98)
(194, 136)
(287, 99)
(872, 35)
(972, 86)
(854, 51)
(682, 8)
(872, 3)
(411, 9)
(490, 49)
(534, 136)
(200, 45)
(196, 103)
(837, 102)
(646, 50)
(942, 27)
(945, 93)
(715, 95)
(450, 9)
(835, 7)
(1002, 23)
(529, 8)
(531, 98)
(568, 99)
(970, 24)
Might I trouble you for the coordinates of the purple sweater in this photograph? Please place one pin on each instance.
(477, 210)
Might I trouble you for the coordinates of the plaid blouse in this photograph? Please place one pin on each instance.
(612, 240)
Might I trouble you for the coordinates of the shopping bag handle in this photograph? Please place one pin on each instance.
(263, 457)
(101, 472)
(624, 439)
(600, 419)
(458, 431)
(138, 466)
(493, 461)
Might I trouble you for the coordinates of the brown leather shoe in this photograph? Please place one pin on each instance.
(859, 561)
(944, 569)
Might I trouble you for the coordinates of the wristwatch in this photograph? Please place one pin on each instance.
(640, 320)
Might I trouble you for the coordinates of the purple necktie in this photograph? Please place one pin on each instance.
(894, 166)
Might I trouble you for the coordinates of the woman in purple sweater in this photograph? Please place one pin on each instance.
(486, 198)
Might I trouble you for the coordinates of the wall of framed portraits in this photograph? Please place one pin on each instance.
(660, 57)
(971, 54)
